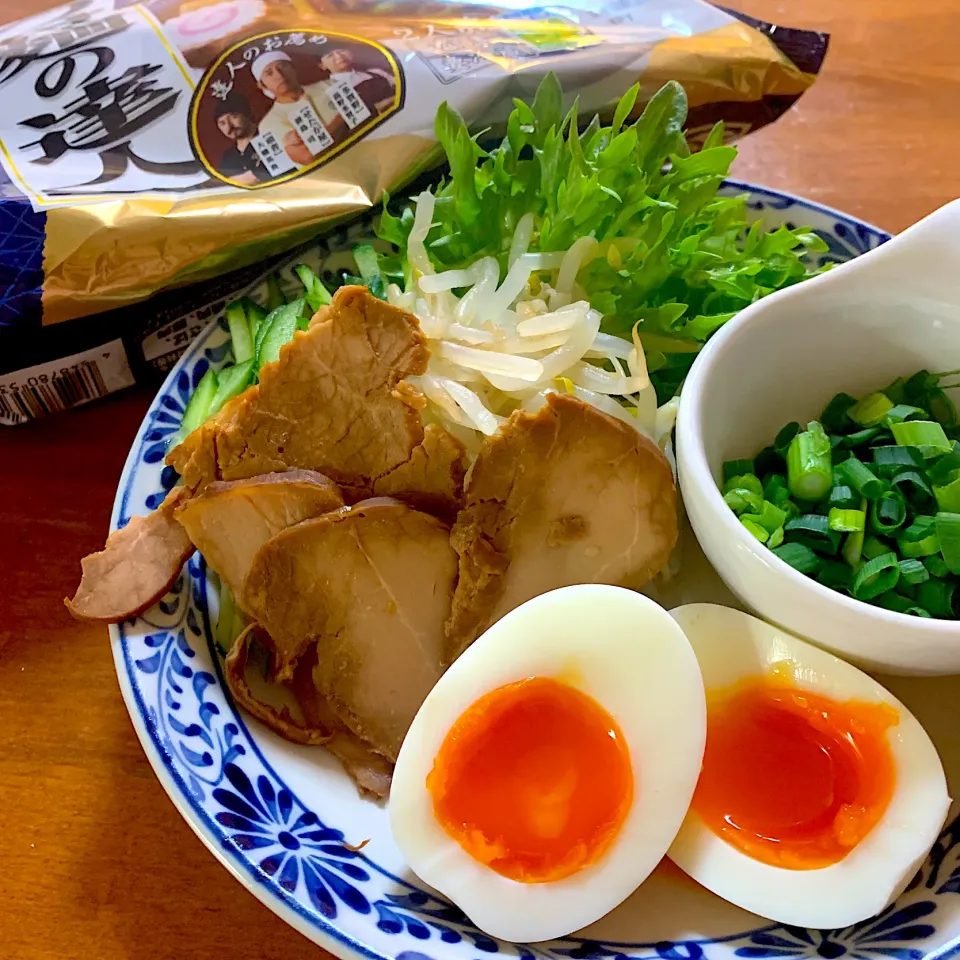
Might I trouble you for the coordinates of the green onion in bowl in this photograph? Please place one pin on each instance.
(866, 500)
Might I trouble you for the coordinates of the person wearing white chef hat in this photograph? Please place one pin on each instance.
(302, 119)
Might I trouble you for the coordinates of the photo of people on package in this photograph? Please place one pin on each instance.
(275, 105)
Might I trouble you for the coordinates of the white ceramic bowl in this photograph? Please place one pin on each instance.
(886, 314)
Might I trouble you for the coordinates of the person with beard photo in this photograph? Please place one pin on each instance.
(240, 162)
(303, 120)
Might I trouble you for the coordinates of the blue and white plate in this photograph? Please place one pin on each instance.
(287, 822)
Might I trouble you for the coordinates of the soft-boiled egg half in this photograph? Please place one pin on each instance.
(820, 795)
(550, 768)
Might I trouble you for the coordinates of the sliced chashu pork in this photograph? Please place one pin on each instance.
(370, 585)
(336, 401)
(370, 771)
(232, 519)
(567, 495)
(318, 724)
(136, 567)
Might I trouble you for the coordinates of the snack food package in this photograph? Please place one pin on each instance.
(168, 142)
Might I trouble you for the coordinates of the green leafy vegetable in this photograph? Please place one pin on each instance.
(671, 253)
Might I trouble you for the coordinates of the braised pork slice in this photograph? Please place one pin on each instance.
(370, 771)
(336, 401)
(318, 725)
(136, 567)
(432, 479)
(568, 495)
(232, 519)
(371, 585)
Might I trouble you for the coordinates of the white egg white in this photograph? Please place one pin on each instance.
(731, 647)
(630, 656)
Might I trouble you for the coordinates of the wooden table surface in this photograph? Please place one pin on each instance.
(96, 862)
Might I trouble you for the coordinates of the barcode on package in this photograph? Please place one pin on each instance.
(61, 384)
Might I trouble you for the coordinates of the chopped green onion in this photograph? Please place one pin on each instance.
(948, 497)
(901, 412)
(835, 415)
(870, 410)
(899, 604)
(915, 481)
(813, 530)
(844, 497)
(875, 577)
(755, 529)
(769, 517)
(775, 490)
(784, 438)
(825, 546)
(740, 500)
(801, 558)
(942, 408)
(908, 590)
(870, 475)
(913, 571)
(747, 481)
(809, 523)
(853, 548)
(736, 468)
(889, 513)
(239, 332)
(945, 468)
(934, 563)
(809, 464)
(937, 597)
(859, 476)
(846, 521)
(891, 460)
(768, 461)
(861, 437)
(874, 547)
(921, 527)
(834, 574)
(948, 533)
(921, 433)
(920, 548)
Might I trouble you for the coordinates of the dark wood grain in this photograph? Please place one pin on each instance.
(96, 862)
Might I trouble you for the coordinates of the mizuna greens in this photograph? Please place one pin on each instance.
(668, 251)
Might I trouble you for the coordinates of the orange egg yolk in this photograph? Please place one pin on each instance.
(534, 780)
(792, 778)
